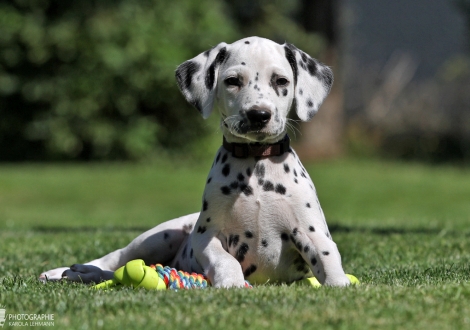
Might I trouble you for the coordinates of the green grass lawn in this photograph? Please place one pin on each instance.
(402, 229)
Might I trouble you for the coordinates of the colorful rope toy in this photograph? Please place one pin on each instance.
(156, 277)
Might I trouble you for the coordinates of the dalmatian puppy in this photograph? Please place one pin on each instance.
(260, 218)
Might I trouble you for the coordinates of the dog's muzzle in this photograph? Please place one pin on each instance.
(258, 118)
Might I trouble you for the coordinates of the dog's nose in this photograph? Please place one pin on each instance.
(258, 116)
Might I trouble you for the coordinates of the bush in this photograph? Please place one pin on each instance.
(95, 79)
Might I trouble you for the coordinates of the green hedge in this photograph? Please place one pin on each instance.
(95, 79)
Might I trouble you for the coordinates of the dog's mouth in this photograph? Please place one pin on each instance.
(252, 132)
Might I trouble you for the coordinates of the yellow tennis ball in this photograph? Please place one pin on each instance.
(310, 281)
(353, 279)
(136, 274)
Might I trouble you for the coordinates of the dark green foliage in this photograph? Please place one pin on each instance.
(95, 79)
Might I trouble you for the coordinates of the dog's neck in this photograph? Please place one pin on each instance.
(245, 150)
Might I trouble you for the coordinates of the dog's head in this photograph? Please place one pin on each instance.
(254, 81)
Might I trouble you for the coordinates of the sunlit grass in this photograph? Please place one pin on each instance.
(401, 228)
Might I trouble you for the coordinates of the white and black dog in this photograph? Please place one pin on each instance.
(260, 218)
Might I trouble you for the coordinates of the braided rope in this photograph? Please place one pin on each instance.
(177, 279)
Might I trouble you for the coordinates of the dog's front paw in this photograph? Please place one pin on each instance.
(228, 282)
(87, 274)
(53, 274)
(337, 281)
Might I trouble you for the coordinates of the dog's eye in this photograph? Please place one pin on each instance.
(233, 81)
(282, 81)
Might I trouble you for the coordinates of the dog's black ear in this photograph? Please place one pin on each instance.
(197, 78)
(313, 81)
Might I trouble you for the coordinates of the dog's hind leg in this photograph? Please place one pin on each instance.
(157, 245)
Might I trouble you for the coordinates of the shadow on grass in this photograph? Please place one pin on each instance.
(337, 228)
(86, 229)
(334, 228)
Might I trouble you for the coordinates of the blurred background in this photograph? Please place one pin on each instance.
(94, 80)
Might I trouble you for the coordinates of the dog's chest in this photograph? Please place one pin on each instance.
(254, 206)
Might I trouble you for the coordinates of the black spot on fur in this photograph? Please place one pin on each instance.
(295, 231)
(308, 205)
(260, 182)
(224, 158)
(234, 185)
(218, 157)
(225, 190)
(248, 172)
(208, 220)
(303, 174)
(260, 170)
(247, 42)
(191, 253)
(286, 168)
(187, 228)
(201, 229)
(280, 189)
(205, 205)
(226, 170)
(209, 180)
(250, 270)
(264, 243)
(284, 237)
(325, 253)
(242, 251)
(184, 74)
(247, 190)
(309, 103)
(207, 52)
(306, 248)
(311, 228)
(233, 240)
(290, 56)
(248, 234)
(299, 246)
(273, 83)
(268, 186)
(222, 56)
(312, 67)
(284, 92)
(183, 254)
(240, 177)
(301, 91)
(210, 74)
(243, 63)
(310, 114)
(295, 172)
(313, 261)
